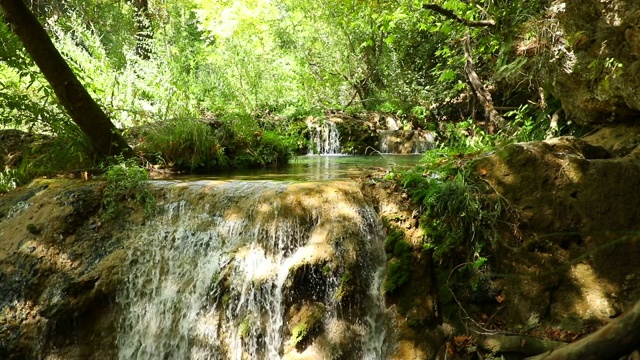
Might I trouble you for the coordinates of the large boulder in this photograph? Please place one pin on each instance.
(593, 59)
(570, 257)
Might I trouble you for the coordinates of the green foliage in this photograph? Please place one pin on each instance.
(233, 142)
(185, 143)
(399, 266)
(68, 153)
(524, 126)
(460, 212)
(9, 180)
(272, 59)
(126, 182)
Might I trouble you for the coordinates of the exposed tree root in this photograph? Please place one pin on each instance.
(521, 344)
(618, 338)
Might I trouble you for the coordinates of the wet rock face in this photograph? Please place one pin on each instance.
(261, 270)
(578, 213)
(254, 270)
(56, 272)
(413, 306)
(595, 67)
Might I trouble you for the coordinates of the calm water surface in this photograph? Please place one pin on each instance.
(315, 168)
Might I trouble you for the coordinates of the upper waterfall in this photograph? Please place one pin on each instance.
(255, 270)
(406, 141)
(325, 137)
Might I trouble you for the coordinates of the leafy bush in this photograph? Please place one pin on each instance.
(126, 182)
(529, 124)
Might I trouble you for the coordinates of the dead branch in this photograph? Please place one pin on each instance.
(451, 15)
(618, 338)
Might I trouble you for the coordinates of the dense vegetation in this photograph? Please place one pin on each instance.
(202, 86)
(209, 85)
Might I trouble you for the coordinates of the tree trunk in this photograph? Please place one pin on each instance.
(84, 111)
(143, 29)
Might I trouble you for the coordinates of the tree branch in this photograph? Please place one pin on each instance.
(451, 15)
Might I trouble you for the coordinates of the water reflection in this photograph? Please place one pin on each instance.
(315, 168)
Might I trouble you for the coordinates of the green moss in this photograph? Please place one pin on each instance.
(327, 269)
(346, 286)
(299, 333)
(225, 299)
(310, 320)
(244, 328)
(33, 229)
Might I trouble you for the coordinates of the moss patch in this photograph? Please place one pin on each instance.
(307, 322)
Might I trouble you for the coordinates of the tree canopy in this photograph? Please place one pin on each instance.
(241, 62)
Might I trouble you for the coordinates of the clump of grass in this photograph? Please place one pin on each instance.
(186, 143)
(229, 143)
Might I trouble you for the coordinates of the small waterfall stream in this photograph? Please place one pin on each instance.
(255, 270)
(406, 141)
(325, 137)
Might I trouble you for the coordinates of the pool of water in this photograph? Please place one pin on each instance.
(315, 168)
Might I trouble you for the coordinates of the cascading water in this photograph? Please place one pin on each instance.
(325, 137)
(406, 141)
(228, 270)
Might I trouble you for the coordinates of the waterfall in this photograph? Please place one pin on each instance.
(255, 270)
(406, 141)
(325, 137)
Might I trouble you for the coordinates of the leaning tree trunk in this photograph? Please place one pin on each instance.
(84, 111)
(483, 95)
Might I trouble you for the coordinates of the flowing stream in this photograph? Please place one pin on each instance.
(255, 270)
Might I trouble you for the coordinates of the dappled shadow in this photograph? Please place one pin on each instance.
(576, 226)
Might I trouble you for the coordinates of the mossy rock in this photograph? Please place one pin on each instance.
(306, 324)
